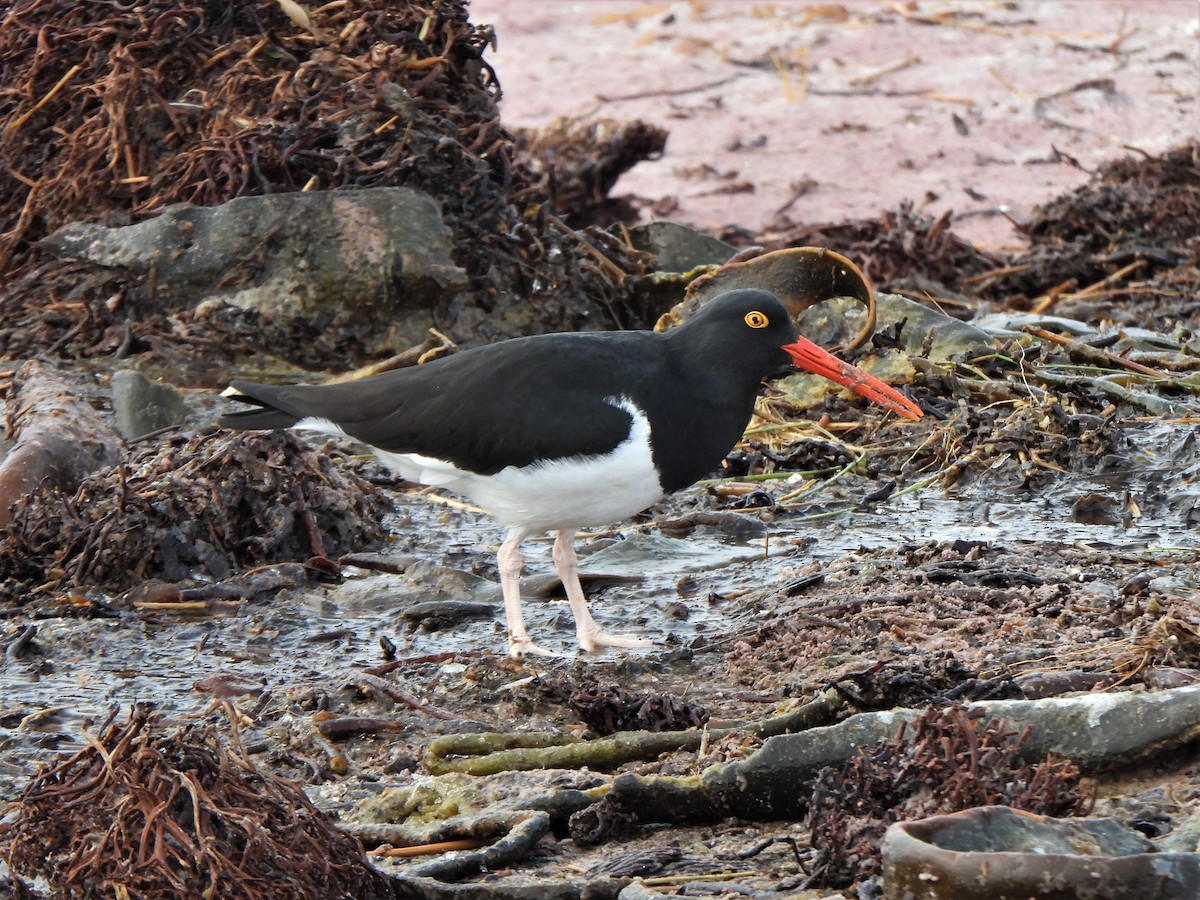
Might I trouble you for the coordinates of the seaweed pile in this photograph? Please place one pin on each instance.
(141, 811)
(122, 110)
(607, 708)
(111, 112)
(1123, 246)
(579, 161)
(1041, 395)
(1004, 415)
(902, 248)
(210, 505)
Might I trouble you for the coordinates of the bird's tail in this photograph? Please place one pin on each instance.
(263, 416)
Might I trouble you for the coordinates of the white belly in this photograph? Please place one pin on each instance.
(549, 495)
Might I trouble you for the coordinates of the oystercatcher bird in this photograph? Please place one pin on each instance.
(558, 431)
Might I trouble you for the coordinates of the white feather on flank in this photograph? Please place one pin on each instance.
(548, 495)
(324, 426)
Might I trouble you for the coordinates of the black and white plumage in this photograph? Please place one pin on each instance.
(555, 432)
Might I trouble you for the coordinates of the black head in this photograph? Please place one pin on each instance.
(743, 330)
(748, 335)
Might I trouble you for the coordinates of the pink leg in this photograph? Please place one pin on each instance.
(510, 563)
(588, 634)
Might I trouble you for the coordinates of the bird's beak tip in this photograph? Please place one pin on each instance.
(808, 356)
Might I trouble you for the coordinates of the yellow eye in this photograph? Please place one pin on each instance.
(757, 320)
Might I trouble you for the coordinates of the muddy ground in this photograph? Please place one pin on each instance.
(1034, 535)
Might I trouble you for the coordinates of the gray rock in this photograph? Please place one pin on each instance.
(142, 406)
(678, 248)
(377, 256)
(1173, 586)
(423, 582)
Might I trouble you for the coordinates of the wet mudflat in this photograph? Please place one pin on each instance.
(858, 620)
(929, 596)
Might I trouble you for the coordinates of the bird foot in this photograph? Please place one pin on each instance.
(519, 649)
(589, 640)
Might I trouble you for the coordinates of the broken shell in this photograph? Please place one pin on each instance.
(998, 852)
(800, 276)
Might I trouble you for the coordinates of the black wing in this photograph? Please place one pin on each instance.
(506, 404)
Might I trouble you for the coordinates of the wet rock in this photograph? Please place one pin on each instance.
(1184, 834)
(642, 552)
(1094, 508)
(370, 257)
(1173, 586)
(676, 255)
(638, 891)
(546, 586)
(997, 852)
(421, 583)
(730, 524)
(436, 614)
(1137, 585)
(427, 594)
(1167, 677)
(142, 406)
(393, 564)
